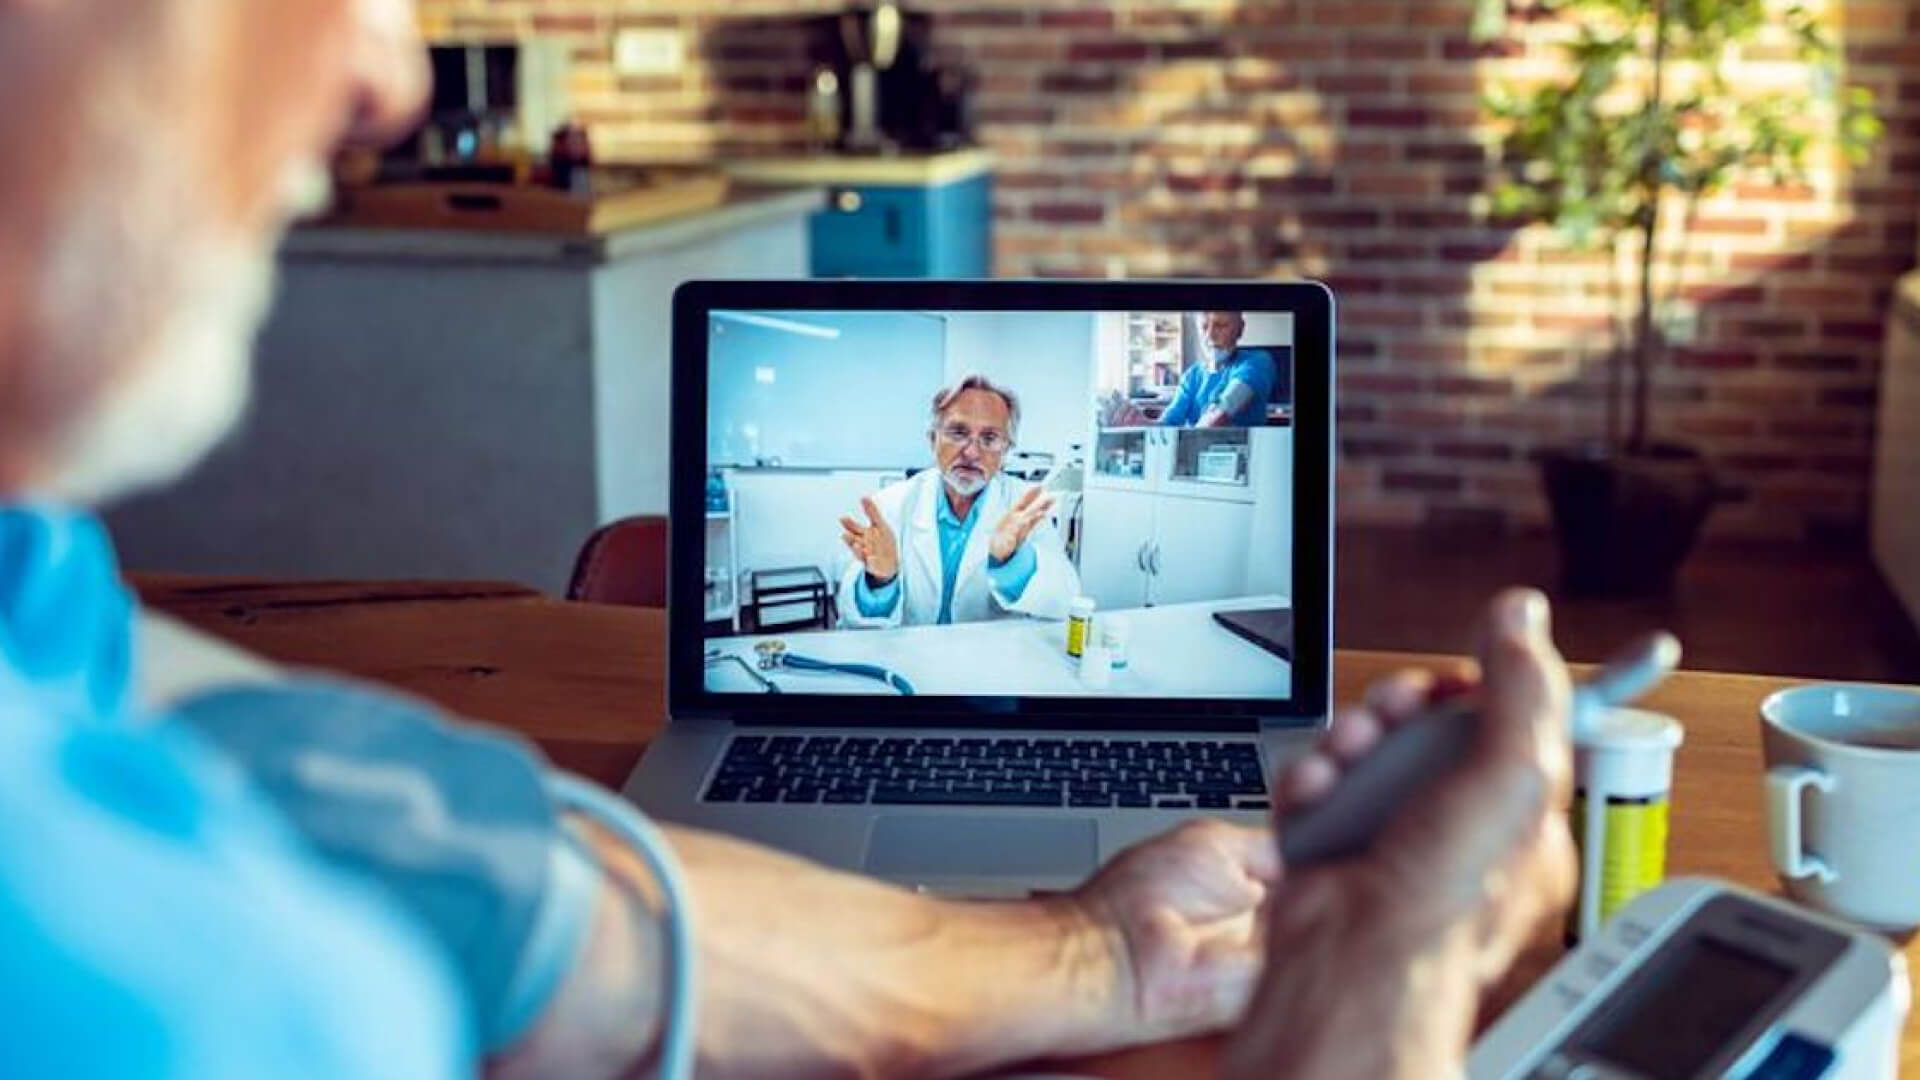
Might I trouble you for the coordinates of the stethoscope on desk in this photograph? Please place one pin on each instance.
(773, 655)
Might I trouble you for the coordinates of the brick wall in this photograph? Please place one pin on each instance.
(1339, 138)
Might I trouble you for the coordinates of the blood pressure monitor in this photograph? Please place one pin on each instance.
(1701, 979)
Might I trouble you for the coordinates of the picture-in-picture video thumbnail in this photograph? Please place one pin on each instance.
(977, 503)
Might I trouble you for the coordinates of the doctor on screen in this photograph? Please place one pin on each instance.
(961, 542)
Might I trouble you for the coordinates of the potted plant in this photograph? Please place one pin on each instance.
(1616, 155)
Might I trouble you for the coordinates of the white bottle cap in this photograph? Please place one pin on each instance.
(1082, 606)
(1627, 754)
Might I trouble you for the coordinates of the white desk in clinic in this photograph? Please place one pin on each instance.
(1176, 650)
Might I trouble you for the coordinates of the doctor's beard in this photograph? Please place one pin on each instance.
(965, 482)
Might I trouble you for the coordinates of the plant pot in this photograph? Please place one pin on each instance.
(1626, 522)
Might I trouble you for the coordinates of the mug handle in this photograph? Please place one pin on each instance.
(1784, 787)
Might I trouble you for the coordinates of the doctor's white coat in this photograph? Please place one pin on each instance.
(909, 508)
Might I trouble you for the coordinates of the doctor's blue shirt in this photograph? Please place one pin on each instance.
(1009, 578)
(157, 918)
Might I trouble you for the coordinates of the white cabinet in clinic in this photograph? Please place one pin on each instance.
(1113, 549)
(1153, 532)
(1199, 551)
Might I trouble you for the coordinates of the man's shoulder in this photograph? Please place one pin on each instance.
(178, 660)
(1257, 355)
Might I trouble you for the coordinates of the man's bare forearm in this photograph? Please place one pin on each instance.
(814, 972)
(806, 971)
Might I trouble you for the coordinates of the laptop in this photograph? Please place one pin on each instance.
(950, 560)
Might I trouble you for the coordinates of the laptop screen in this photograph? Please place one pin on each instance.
(1000, 504)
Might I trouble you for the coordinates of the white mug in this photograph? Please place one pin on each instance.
(1843, 799)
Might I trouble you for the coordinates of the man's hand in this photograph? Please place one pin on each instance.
(872, 543)
(1182, 911)
(1028, 511)
(1377, 963)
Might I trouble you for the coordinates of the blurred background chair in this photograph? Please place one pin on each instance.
(623, 562)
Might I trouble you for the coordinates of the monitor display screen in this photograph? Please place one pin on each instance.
(972, 503)
(1705, 993)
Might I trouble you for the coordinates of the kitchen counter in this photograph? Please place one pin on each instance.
(746, 207)
(457, 403)
(902, 170)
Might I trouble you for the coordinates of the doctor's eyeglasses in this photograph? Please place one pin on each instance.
(990, 441)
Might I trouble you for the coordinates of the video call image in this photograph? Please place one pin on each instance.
(1071, 504)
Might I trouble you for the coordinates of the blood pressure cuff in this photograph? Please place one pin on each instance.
(452, 821)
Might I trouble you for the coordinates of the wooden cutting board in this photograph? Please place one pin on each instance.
(623, 198)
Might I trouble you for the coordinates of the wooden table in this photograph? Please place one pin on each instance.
(588, 684)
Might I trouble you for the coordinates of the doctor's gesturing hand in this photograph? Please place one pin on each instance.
(1029, 510)
(874, 543)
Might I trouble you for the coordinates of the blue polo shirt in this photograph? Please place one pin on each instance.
(157, 918)
(1201, 389)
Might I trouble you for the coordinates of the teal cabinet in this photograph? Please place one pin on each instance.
(873, 230)
(907, 217)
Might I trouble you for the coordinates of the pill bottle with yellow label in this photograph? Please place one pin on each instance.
(1079, 626)
(1623, 787)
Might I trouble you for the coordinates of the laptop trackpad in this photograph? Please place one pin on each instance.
(916, 846)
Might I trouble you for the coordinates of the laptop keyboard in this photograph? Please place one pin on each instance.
(876, 770)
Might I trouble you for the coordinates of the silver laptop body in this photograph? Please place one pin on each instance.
(947, 788)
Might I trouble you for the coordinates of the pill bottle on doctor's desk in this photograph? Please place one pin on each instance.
(1079, 626)
(1114, 632)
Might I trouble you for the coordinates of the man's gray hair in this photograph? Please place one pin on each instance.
(944, 400)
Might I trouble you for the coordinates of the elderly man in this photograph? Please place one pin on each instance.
(162, 913)
(1231, 386)
(954, 569)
